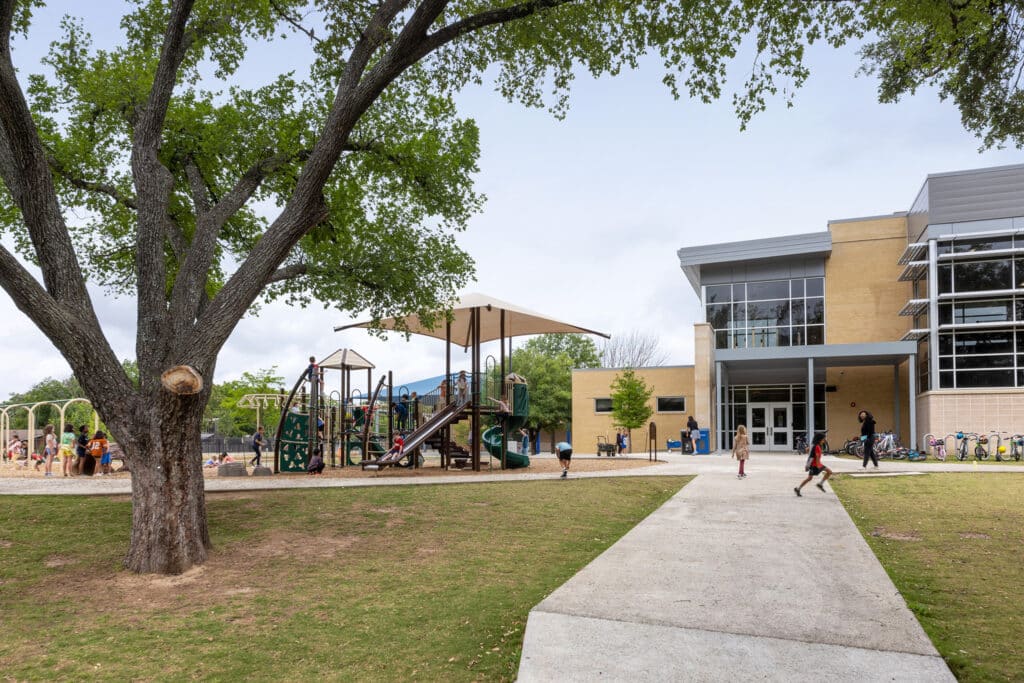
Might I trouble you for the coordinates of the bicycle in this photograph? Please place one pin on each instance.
(1016, 446)
(888, 445)
(980, 450)
(963, 444)
(938, 446)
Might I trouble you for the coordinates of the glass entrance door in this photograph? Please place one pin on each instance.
(770, 426)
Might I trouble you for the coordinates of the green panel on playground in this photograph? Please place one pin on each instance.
(493, 439)
(294, 442)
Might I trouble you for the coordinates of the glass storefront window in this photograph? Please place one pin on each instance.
(984, 378)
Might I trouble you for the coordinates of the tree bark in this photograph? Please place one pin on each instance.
(169, 532)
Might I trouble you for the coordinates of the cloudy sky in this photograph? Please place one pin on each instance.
(584, 215)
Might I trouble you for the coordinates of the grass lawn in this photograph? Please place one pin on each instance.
(952, 543)
(381, 583)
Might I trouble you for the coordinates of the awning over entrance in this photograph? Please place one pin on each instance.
(807, 364)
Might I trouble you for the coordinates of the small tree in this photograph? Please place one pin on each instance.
(630, 396)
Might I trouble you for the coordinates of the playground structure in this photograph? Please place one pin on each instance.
(350, 428)
(7, 411)
(473, 321)
(338, 425)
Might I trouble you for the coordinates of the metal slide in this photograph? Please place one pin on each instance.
(447, 415)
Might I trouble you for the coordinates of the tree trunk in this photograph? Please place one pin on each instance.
(169, 532)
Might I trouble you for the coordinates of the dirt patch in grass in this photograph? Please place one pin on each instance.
(962, 584)
(895, 535)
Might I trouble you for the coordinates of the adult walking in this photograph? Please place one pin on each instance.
(741, 449)
(692, 431)
(867, 435)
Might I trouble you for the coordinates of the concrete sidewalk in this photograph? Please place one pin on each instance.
(732, 580)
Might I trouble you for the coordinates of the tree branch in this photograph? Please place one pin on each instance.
(482, 20)
(197, 185)
(296, 24)
(287, 273)
(93, 186)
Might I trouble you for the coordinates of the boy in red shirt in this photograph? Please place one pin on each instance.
(815, 466)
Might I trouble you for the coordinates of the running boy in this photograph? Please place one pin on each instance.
(564, 457)
(815, 466)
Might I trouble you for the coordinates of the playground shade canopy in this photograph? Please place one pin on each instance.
(346, 358)
(519, 321)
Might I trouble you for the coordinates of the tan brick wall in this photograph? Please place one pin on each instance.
(588, 385)
(871, 388)
(944, 412)
(705, 404)
(862, 295)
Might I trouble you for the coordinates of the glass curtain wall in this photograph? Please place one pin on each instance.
(767, 313)
(981, 312)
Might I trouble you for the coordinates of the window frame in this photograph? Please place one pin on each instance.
(658, 400)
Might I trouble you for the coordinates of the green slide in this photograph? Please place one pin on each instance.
(492, 439)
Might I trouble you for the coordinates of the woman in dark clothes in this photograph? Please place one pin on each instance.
(867, 435)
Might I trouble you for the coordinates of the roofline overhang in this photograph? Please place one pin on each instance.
(693, 259)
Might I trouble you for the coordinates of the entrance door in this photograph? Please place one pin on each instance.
(770, 427)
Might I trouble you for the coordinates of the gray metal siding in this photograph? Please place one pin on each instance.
(753, 271)
(917, 218)
(976, 195)
(767, 248)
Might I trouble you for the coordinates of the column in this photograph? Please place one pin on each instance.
(912, 390)
(720, 431)
(933, 313)
(810, 400)
(896, 398)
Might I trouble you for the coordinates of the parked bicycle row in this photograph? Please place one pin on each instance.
(999, 446)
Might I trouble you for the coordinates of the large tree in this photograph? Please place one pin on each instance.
(971, 51)
(145, 167)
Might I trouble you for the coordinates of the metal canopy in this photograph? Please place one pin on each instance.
(346, 358)
(518, 321)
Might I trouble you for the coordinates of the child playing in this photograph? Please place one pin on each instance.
(741, 449)
(316, 464)
(814, 465)
(67, 448)
(50, 450)
(462, 388)
(99, 448)
(14, 451)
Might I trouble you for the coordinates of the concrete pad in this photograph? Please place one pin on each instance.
(622, 651)
(725, 566)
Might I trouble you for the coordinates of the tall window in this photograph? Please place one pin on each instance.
(981, 312)
(767, 313)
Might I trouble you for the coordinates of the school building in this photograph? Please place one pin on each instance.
(671, 397)
(915, 316)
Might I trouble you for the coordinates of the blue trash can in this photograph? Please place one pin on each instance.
(703, 442)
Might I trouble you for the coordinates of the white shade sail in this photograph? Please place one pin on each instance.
(519, 321)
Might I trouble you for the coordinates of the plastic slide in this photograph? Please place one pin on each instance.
(492, 439)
